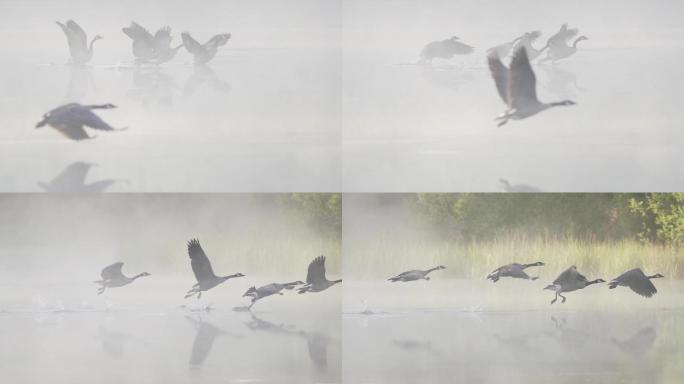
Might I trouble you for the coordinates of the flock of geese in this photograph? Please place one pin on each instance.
(568, 281)
(316, 280)
(516, 85)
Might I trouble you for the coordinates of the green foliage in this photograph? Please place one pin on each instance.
(321, 210)
(662, 216)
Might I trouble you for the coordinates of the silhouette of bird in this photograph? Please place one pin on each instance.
(637, 281)
(517, 87)
(72, 179)
(502, 50)
(204, 273)
(149, 48)
(112, 277)
(515, 270)
(561, 51)
(445, 49)
(568, 281)
(415, 274)
(315, 277)
(69, 120)
(561, 37)
(81, 52)
(526, 41)
(268, 290)
(506, 186)
(204, 340)
(203, 53)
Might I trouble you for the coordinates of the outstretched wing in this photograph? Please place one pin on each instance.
(112, 272)
(643, 287)
(567, 275)
(201, 266)
(136, 32)
(316, 272)
(85, 116)
(72, 176)
(500, 74)
(218, 40)
(162, 38)
(522, 83)
(71, 130)
(77, 32)
(192, 45)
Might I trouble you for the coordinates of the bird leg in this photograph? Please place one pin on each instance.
(100, 290)
(199, 295)
(563, 297)
(555, 298)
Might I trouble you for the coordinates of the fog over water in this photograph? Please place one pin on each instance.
(263, 115)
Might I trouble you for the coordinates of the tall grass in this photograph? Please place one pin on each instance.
(474, 259)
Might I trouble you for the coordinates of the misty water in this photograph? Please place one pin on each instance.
(411, 127)
(477, 332)
(147, 333)
(262, 116)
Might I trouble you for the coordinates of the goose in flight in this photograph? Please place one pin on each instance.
(268, 290)
(502, 50)
(203, 53)
(415, 274)
(70, 119)
(81, 52)
(562, 51)
(316, 280)
(526, 41)
(445, 49)
(517, 87)
(72, 179)
(204, 273)
(561, 37)
(637, 281)
(568, 281)
(112, 277)
(515, 270)
(151, 48)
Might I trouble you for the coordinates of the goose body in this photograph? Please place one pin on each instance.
(415, 274)
(203, 53)
(112, 277)
(316, 281)
(445, 49)
(636, 280)
(268, 290)
(81, 52)
(517, 87)
(568, 281)
(70, 120)
(204, 273)
(514, 270)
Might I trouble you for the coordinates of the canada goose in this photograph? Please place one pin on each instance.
(204, 52)
(112, 277)
(517, 87)
(506, 186)
(445, 49)
(201, 267)
(515, 270)
(70, 119)
(315, 277)
(502, 50)
(526, 41)
(81, 52)
(268, 290)
(72, 179)
(562, 51)
(637, 281)
(147, 47)
(415, 274)
(568, 281)
(561, 37)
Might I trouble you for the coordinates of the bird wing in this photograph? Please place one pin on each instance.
(136, 32)
(218, 40)
(192, 45)
(162, 38)
(85, 116)
(638, 282)
(112, 272)
(316, 272)
(565, 276)
(77, 32)
(72, 176)
(201, 266)
(72, 131)
(522, 84)
(500, 74)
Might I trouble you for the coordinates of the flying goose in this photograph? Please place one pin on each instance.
(112, 277)
(81, 52)
(445, 49)
(568, 281)
(204, 273)
(72, 179)
(637, 281)
(561, 37)
(526, 41)
(415, 274)
(268, 290)
(69, 120)
(515, 270)
(204, 52)
(562, 51)
(149, 48)
(516, 86)
(315, 277)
